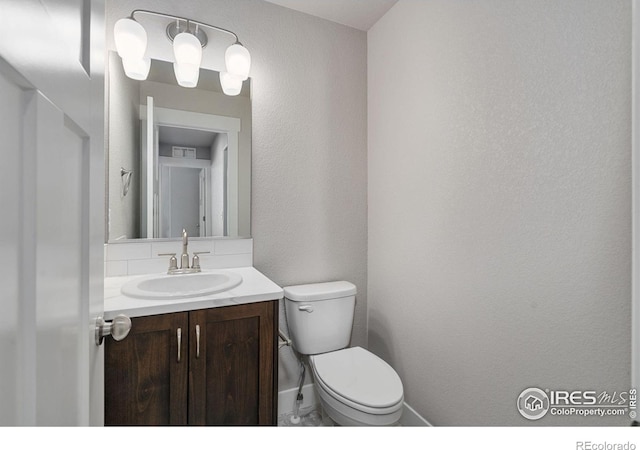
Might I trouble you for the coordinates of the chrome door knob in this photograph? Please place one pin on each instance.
(118, 328)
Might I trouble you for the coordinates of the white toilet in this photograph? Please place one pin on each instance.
(354, 385)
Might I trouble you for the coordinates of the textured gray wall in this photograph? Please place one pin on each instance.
(309, 185)
(500, 202)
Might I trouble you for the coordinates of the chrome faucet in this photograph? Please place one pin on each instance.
(184, 259)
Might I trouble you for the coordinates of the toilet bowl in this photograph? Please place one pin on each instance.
(355, 386)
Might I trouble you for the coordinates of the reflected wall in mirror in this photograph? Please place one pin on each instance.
(177, 158)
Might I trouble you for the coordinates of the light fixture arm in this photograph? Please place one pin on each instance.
(188, 21)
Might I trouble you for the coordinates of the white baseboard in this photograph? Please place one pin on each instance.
(287, 401)
(411, 418)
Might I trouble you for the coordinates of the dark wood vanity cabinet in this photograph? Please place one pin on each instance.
(145, 382)
(213, 366)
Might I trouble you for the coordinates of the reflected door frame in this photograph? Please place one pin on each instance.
(218, 124)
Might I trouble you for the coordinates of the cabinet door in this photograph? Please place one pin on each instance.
(232, 371)
(146, 373)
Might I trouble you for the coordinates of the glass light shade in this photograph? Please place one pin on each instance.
(137, 69)
(130, 38)
(187, 74)
(231, 84)
(187, 49)
(238, 61)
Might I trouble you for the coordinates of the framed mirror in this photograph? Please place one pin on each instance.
(177, 158)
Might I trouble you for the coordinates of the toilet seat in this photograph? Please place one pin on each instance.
(359, 379)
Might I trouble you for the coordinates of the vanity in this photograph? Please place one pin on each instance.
(202, 360)
(203, 347)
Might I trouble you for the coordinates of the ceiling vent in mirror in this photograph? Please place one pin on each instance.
(183, 152)
(188, 40)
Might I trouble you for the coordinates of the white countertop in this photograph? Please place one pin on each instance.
(255, 287)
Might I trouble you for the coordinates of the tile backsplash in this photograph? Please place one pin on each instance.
(139, 258)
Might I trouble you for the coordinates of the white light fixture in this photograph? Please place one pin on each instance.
(238, 61)
(137, 69)
(131, 44)
(186, 74)
(188, 40)
(231, 84)
(187, 51)
(131, 39)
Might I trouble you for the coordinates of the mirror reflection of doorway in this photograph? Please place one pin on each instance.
(191, 179)
(183, 203)
(187, 139)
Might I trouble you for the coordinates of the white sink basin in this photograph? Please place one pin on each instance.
(170, 287)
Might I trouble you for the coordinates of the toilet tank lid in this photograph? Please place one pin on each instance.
(319, 291)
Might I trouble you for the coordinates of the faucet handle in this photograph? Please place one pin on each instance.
(173, 261)
(196, 260)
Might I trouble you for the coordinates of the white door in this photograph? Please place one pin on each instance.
(52, 221)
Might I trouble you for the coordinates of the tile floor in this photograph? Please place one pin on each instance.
(309, 417)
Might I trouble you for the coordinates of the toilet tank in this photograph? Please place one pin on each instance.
(320, 316)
